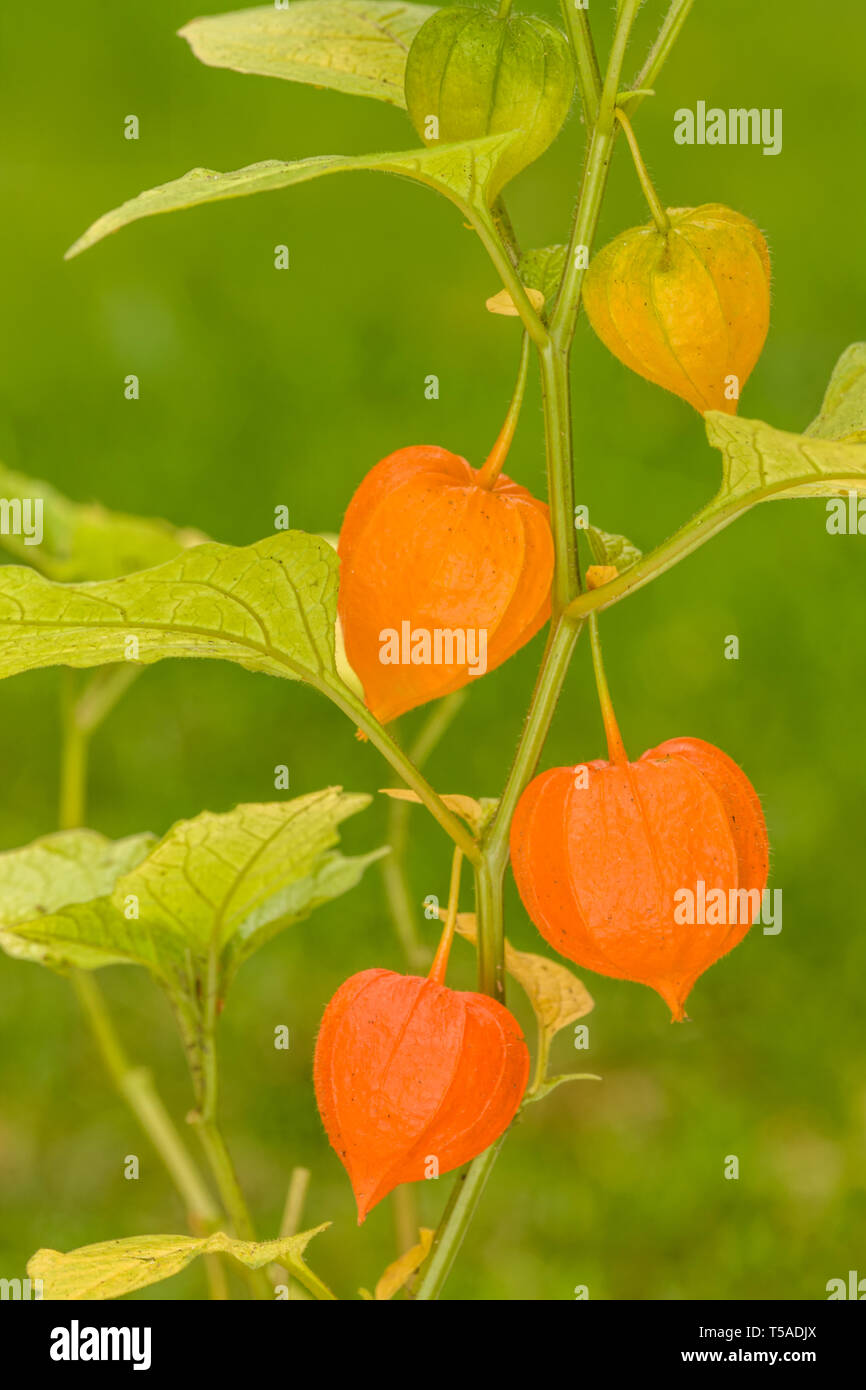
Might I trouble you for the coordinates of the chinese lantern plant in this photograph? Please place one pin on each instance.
(406, 1066)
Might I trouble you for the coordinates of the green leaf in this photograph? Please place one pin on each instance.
(461, 171)
(542, 270)
(270, 607)
(333, 876)
(760, 463)
(86, 541)
(843, 412)
(236, 879)
(56, 874)
(357, 46)
(609, 548)
(117, 1267)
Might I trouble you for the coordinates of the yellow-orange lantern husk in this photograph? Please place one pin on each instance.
(425, 542)
(598, 865)
(408, 1071)
(690, 309)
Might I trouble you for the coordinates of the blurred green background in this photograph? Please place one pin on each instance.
(261, 387)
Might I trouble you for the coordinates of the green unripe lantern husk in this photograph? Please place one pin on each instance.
(481, 75)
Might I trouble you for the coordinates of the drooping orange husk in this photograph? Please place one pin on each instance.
(688, 310)
(598, 865)
(425, 543)
(414, 1079)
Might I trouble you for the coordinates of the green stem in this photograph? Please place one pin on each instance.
(73, 755)
(198, 1031)
(564, 318)
(491, 932)
(656, 207)
(136, 1087)
(588, 75)
(556, 400)
(658, 54)
(456, 1221)
(393, 867)
(485, 226)
(702, 527)
(349, 703)
(82, 712)
(557, 658)
(615, 747)
(554, 350)
(495, 460)
(439, 968)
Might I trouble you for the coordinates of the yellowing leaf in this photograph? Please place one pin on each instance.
(116, 1267)
(502, 303)
(467, 807)
(596, 575)
(557, 996)
(761, 463)
(843, 411)
(270, 607)
(357, 46)
(398, 1274)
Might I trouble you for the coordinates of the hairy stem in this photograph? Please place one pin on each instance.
(586, 60)
(84, 706)
(349, 703)
(456, 1221)
(136, 1087)
(553, 352)
(658, 54)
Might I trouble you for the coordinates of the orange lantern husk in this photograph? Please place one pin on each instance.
(414, 1079)
(687, 308)
(600, 861)
(432, 545)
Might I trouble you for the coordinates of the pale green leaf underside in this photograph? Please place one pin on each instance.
(236, 879)
(460, 171)
(334, 875)
(117, 1267)
(88, 936)
(46, 877)
(760, 462)
(270, 607)
(210, 874)
(70, 866)
(83, 541)
(357, 46)
(843, 412)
